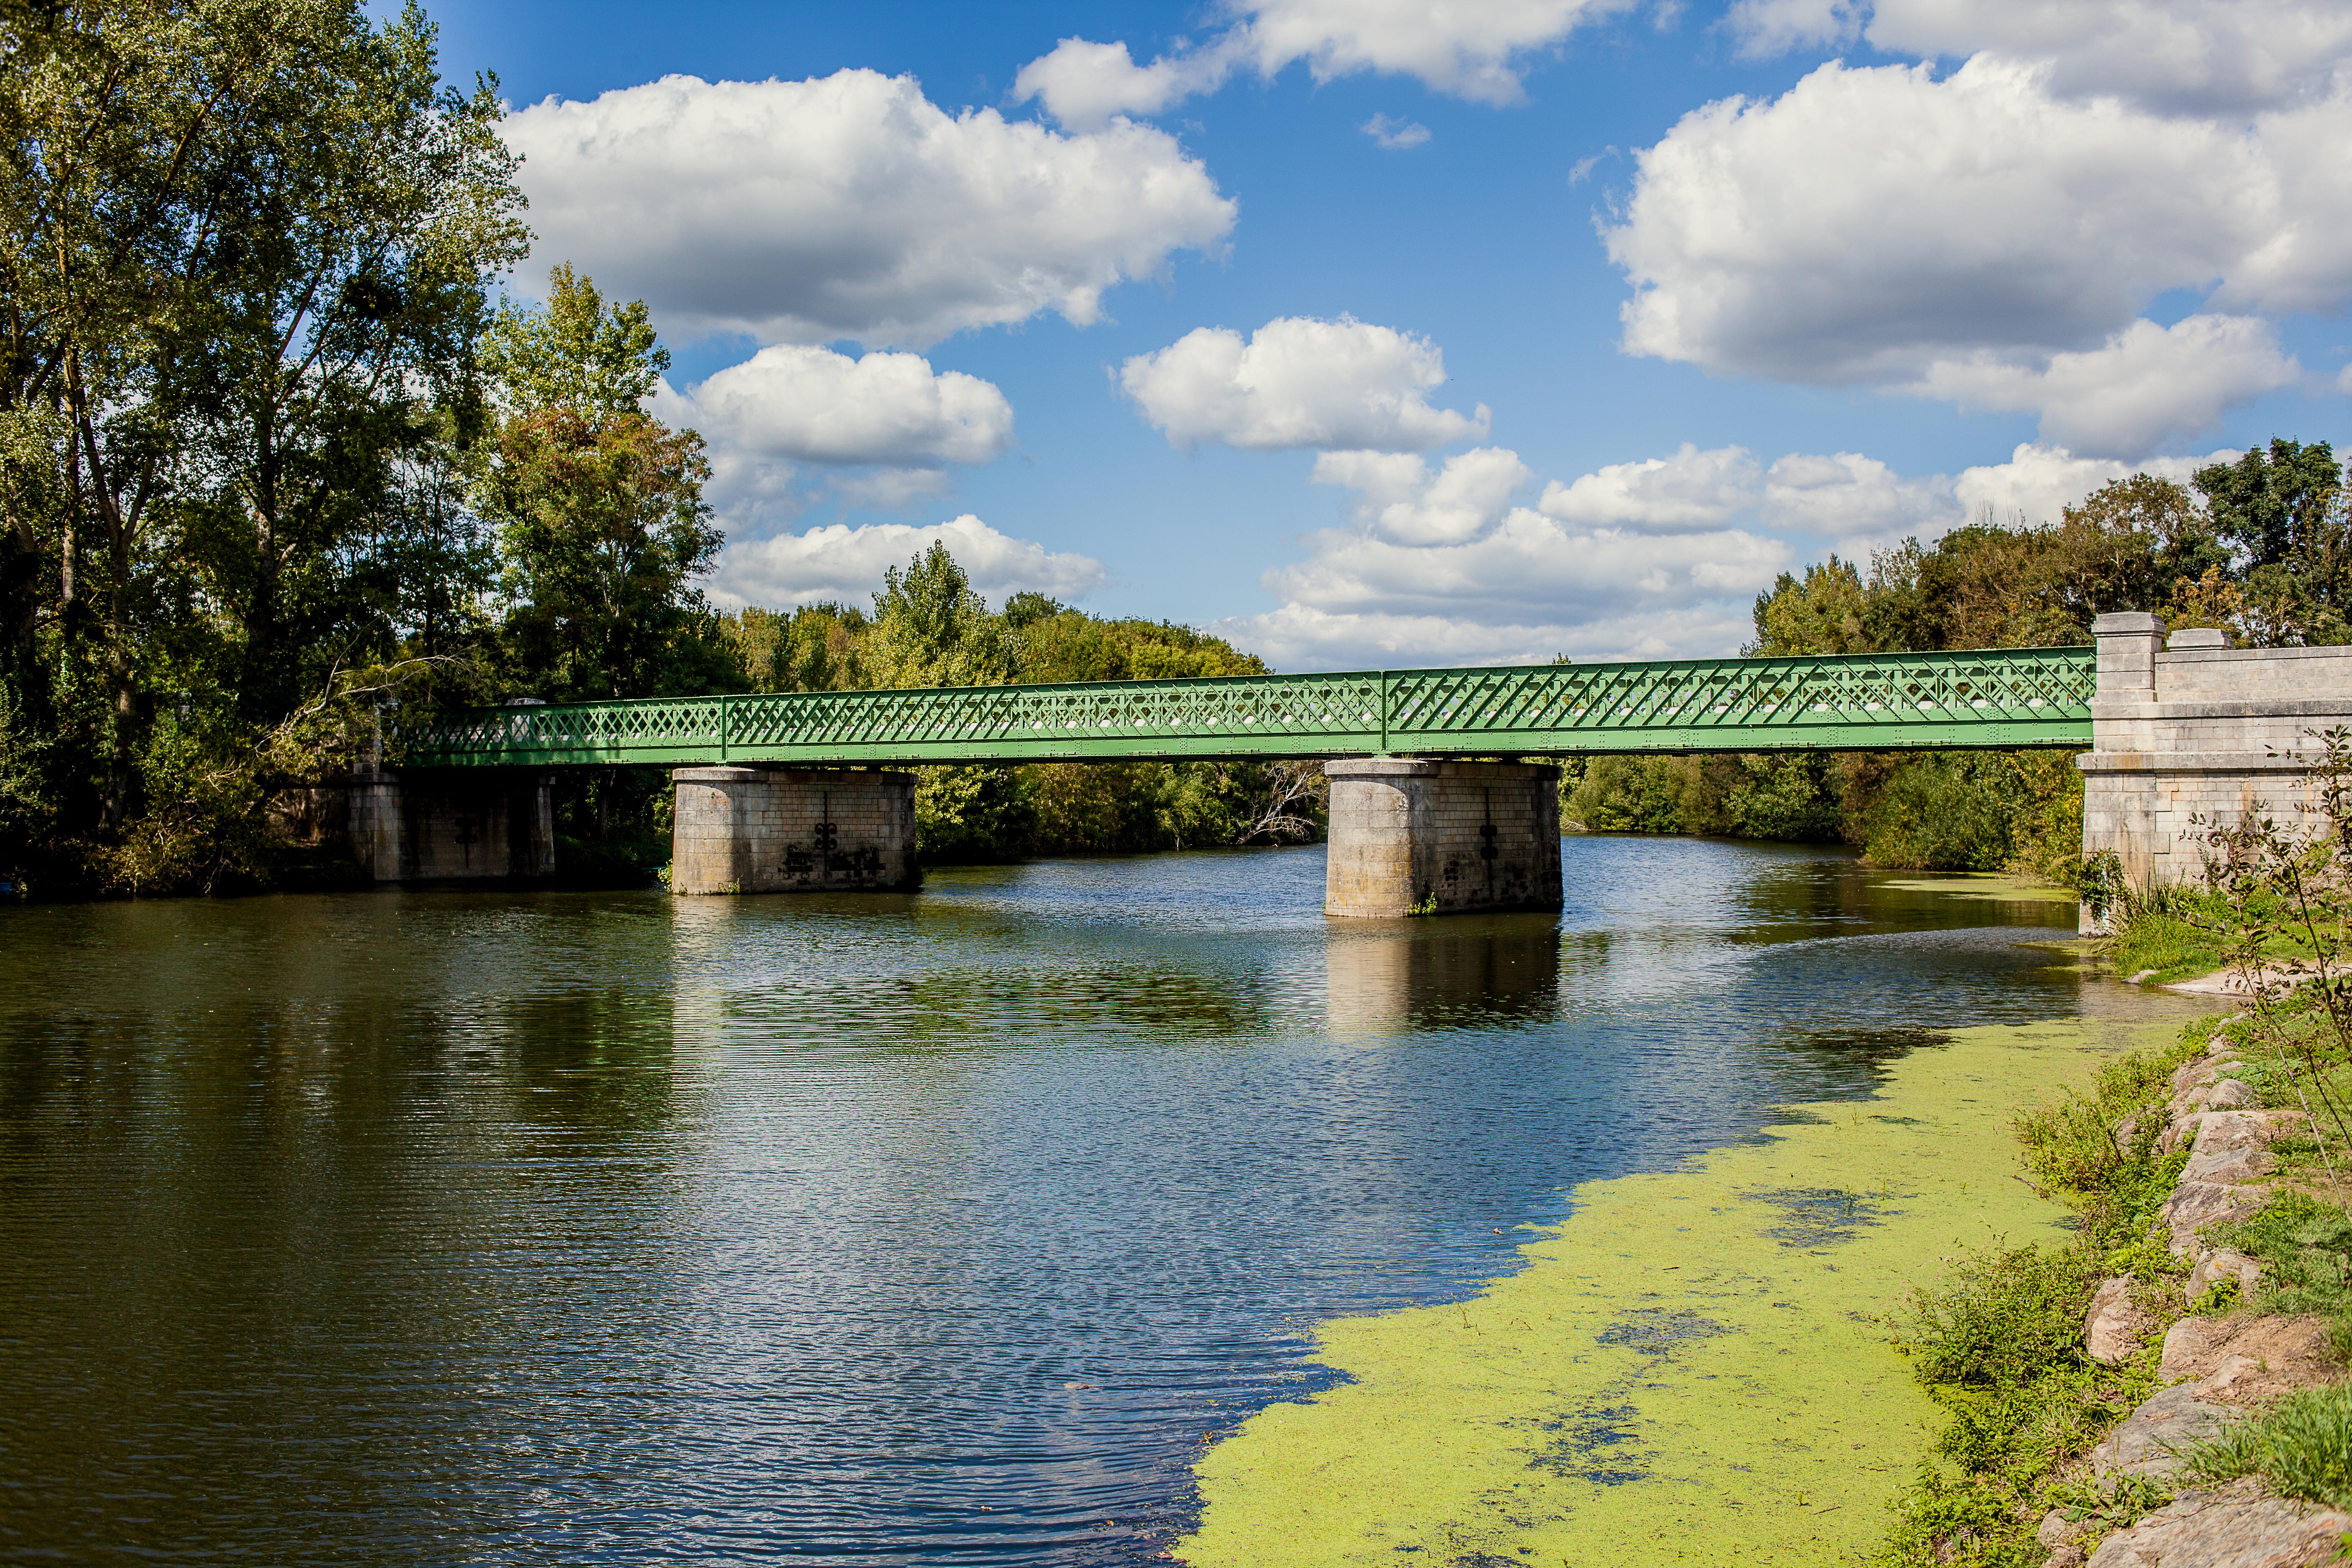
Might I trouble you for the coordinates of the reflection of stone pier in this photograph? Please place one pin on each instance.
(1458, 974)
(783, 830)
(1409, 837)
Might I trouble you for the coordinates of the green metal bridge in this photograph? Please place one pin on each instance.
(1991, 696)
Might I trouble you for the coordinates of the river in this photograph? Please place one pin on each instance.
(440, 1228)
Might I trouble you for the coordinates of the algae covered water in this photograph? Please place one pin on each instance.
(954, 1227)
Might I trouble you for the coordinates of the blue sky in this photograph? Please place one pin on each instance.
(1163, 333)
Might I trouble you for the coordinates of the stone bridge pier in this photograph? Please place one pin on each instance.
(1410, 837)
(431, 825)
(2187, 725)
(790, 830)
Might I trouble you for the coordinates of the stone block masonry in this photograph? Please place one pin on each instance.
(2190, 726)
(432, 824)
(1410, 837)
(785, 830)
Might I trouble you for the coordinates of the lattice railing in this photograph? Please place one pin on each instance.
(2005, 696)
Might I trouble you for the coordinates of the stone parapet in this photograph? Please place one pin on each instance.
(785, 830)
(1411, 836)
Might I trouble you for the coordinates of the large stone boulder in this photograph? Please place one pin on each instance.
(2234, 1526)
(2149, 1440)
(2194, 1205)
(2112, 1326)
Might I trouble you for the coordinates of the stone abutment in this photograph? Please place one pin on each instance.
(2187, 726)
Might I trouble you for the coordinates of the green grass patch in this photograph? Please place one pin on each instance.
(2304, 1246)
(2173, 947)
(2301, 1446)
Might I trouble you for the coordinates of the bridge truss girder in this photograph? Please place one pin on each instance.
(1984, 697)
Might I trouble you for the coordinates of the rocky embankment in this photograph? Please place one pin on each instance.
(2216, 1369)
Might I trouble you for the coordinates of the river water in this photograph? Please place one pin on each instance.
(440, 1227)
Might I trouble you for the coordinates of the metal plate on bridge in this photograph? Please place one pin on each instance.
(1997, 697)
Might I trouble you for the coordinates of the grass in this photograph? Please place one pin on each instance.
(2000, 1346)
(2301, 1446)
(2173, 947)
(2304, 1246)
(2181, 932)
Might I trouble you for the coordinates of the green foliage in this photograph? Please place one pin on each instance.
(931, 629)
(2302, 1446)
(1998, 1345)
(573, 352)
(603, 530)
(2287, 889)
(929, 626)
(2071, 1148)
(1945, 811)
(2304, 1246)
(1820, 613)
(2173, 929)
(1790, 797)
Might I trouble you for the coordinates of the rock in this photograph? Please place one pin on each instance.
(2235, 1526)
(2219, 1129)
(2193, 1206)
(2145, 974)
(2192, 1347)
(2227, 1165)
(2246, 1360)
(2112, 1329)
(2056, 1530)
(2192, 1075)
(2180, 1130)
(2223, 1263)
(2149, 1441)
(2231, 1094)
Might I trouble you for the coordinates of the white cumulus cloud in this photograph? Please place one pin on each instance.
(1400, 501)
(818, 406)
(850, 207)
(1655, 559)
(1395, 135)
(2040, 482)
(1298, 381)
(2148, 384)
(1442, 564)
(1984, 236)
(839, 562)
(791, 405)
(1690, 489)
(2215, 57)
(1476, 51)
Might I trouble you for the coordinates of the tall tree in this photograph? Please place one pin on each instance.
(931, 629)
(600, 507)
(240, 236)
(2265, 503)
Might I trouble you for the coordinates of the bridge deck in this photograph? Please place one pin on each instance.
(1994, 697)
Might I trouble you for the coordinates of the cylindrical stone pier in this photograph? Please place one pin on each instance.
(1409, 837)
(783, 830)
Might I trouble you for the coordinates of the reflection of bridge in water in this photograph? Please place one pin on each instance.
(1477, 971)
(791, 792)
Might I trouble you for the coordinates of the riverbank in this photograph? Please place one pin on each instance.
(1693, 1367)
